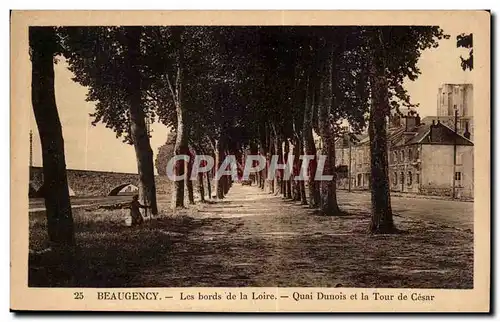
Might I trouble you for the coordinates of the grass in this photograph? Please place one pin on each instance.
(247, 241)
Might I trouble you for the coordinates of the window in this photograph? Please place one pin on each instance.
(402, 155)
(459, 159)
(395, 178)
(410, 153)
(402, 177)
(410, 178)
(395, 157)
(458, 176)
(417, 178)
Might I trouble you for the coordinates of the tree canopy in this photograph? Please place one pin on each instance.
(230, 90)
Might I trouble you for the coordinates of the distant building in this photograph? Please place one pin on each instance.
(420, 156)
(421, 159)
(457, 97)
(352, 160)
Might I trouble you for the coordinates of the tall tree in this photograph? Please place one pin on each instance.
(312, 89)
(138, 131)
(328, 202)
(43, 48)
(382, 220)
(109, 62)
(392, 54)
(176, 86)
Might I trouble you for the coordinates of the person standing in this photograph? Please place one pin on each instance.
(135, 211)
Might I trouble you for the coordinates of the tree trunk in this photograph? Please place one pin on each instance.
(201, 189)
(278, 174)
(228, 179)
(219, 158)
(181, 142)
(329, 204)
(287, 193)
(225, 184)
(310, 149)
(263, 172)
(209, 186)
(138, 131)
(302, 192)
(382, 221)
(55, 184)
(228, 184)
(189, 182)
(297, 163)
(301, 186)
(180, 165)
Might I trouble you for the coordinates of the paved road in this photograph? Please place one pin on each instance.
(457, 214)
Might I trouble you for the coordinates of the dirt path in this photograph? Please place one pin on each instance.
(252, 238)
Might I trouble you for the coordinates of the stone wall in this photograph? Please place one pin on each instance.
(94, 183)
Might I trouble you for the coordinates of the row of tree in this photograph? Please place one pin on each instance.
(230, 90)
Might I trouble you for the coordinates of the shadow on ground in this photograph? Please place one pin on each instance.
(254, 239)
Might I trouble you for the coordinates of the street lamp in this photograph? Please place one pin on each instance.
(455, 151)
(347, 130)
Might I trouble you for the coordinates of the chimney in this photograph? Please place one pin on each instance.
(467, 133)
(411, 121)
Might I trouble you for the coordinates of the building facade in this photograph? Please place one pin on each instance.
(352, 159)
(431, 159)
(424, 158)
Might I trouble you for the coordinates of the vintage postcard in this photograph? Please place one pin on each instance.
(250, 161)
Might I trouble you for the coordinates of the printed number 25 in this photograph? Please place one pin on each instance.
(78, 295)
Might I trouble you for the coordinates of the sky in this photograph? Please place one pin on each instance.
(90, 147)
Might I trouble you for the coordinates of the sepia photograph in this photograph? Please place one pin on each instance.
(333, 157)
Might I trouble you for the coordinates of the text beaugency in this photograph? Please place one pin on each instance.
(130, 296)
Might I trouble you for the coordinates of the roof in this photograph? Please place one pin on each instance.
(437, 134)
(356, 139)
(441, 134)
(422, 132)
